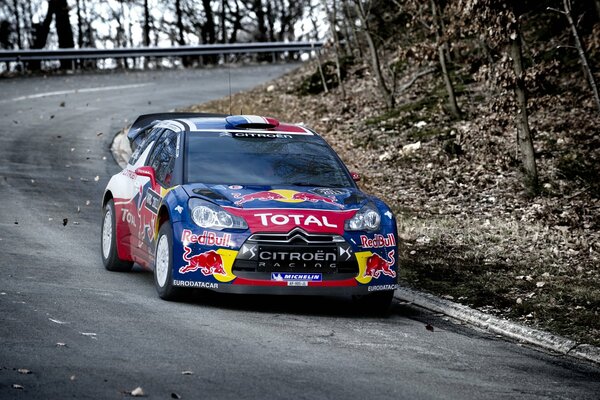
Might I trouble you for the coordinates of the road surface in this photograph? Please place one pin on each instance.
(83, 332)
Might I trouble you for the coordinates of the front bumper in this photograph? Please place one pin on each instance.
(240, 267)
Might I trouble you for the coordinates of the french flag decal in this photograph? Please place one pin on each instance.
(250, 121)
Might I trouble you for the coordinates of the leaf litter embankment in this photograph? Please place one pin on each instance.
(468, 230)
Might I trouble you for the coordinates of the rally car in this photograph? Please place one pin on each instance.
(245, 204)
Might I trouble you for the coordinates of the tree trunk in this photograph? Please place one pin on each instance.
(270, 18)
(180, 28)
(146, 24)
(209, 30)
(28, 15)
(18, 24)
(260, 20)
(388, 97)
(524, 138)
(79, 26)
(237, 22)
(437, 18)
(186, 61)
(582, 55)
(209, 26)
(40, 35)
(223, 28)
(350, 21)
(323, 81)
(597, 2)
(332, 13)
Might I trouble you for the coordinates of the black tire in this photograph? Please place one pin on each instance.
(377, 303)
(108, 241)
(163, 280)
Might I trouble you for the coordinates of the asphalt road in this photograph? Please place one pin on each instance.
(84, 332)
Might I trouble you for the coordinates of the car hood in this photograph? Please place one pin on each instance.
(296, 197)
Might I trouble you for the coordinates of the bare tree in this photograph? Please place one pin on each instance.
(332, 16)
(146, 24)
(581, 49)
(441, 48)
(524, 137)
(17, 24)
(60, 10)
(388, 97)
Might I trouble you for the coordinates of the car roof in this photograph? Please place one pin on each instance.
(200, 122)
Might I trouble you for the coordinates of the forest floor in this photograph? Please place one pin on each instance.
(468, 230)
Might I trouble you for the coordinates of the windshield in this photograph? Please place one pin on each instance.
(218, 158)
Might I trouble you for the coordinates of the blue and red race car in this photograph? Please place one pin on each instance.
(246, 204)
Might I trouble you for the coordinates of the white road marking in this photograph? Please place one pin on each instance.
(74, 91)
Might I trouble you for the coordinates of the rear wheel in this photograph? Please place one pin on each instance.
(110, 257)
(163, 264)
(377, 303)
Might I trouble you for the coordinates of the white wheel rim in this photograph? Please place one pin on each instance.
(162, 261)
(107, 233)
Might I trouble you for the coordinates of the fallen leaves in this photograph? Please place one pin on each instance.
(462, 189)
(137, 392)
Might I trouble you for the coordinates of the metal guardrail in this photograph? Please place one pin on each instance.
(179, 51)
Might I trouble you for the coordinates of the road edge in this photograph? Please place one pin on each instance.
(506, 328)
(121, 151)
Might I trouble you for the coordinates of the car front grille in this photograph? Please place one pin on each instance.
(296, 251)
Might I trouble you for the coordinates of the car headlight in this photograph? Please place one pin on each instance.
(366, 219)
(209, 215)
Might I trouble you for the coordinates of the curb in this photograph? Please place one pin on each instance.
(500, 326)
(121, 151)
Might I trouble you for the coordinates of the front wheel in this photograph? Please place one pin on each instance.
(163, 264)
(110, 257)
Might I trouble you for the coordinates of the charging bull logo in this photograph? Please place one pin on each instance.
(315, 198)
(377, 265)
(286, 196)
(262, 196)
(209, 263)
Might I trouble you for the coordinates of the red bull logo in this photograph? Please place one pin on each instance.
(286, 196)
(209, 263)
(377, 265)
(377, 241)
(206, 238)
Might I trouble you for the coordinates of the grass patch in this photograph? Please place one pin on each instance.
(472, 263)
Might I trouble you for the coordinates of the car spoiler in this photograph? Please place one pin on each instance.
(147, 120)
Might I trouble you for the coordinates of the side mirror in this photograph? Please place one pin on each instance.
(355, 176)
(148, 172)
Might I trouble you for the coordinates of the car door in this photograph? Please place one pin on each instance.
(128, 195)
(162, 160)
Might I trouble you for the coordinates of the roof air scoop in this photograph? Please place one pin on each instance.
(250, 122)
